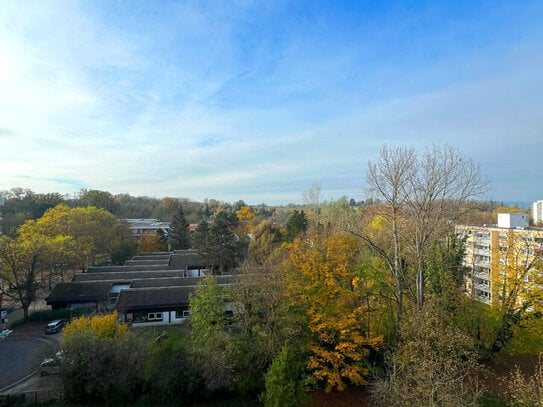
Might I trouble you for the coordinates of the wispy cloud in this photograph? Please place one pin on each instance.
(257, 101)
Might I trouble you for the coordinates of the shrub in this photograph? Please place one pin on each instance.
(433, 364)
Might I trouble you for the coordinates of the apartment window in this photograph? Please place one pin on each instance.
(502, 235)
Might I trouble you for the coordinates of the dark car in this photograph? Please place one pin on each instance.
(55, 326)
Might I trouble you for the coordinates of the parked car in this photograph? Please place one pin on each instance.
(55, 326)
(51, 365)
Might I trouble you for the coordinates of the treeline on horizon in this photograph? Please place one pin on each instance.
(22, 204)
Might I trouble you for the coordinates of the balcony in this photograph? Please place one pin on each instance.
(483, 275)
(482, 287)
(481, 263)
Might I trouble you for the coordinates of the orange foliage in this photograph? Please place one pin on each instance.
(325, 280)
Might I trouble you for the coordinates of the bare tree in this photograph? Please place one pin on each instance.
(387, 179)
(442, 183)
(312, 196)
(423, 196)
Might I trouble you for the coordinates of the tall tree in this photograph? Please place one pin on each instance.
(386, 178)
(323, 279)
(424, 194)
(179, 231)
(21, 259)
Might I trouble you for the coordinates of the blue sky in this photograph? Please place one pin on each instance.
(260, 100)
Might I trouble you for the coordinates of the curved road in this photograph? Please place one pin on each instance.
(21, 354)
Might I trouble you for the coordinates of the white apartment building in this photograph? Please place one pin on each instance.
(537, 213)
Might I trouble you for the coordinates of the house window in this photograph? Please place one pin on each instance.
(182, 314)
(154, 316)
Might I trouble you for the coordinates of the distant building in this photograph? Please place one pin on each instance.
(144, 227)
(537, 213)
(502, 259)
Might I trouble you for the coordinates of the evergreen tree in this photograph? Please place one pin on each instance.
(296, 224)
(221, 242)
(179, 231)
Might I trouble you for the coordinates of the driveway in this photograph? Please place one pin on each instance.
(22, 351)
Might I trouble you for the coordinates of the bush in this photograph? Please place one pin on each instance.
(525, 389)
(434, 364)
(101, 370)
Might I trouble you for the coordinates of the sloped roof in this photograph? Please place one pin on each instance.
(79, 292)
(185, 260)
(125, 268)
(126, 275)
(178, 281)
(154, 299)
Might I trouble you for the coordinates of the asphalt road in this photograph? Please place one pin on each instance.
(22, 352)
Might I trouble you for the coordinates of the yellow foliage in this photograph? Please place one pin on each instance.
(245, 213)
(102, 326)
(324, 279)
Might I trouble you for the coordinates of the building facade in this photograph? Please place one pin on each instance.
(537, 213)
(503, 263)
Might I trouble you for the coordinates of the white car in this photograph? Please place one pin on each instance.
(51, 365)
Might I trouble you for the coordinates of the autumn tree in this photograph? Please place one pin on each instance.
(245, 215)
(21, 259)
(323, 279)
(95, 231)
(517, 285)
(266, 238)
(155, 242)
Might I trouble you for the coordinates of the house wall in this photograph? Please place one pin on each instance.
(168, 318)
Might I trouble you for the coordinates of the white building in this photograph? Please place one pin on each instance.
(537, 212)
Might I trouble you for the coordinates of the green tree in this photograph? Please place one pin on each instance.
(179, 234)
(296, 224)
(284, 380)
(99, 199)
(215, 350)
(217, 244)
